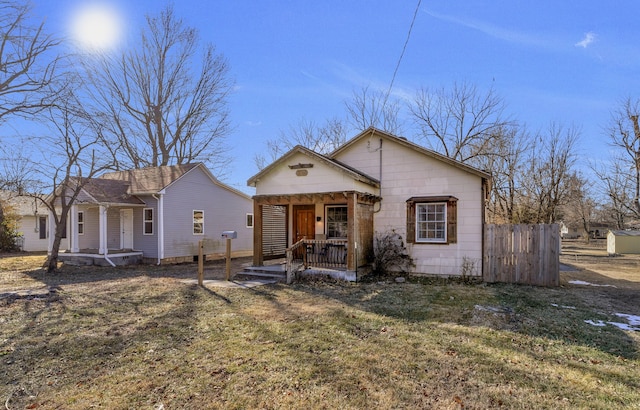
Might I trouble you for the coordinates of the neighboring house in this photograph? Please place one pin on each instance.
(156, 215)
(570, 231)
(621, 242)
(374, 183)
(599, 230)
(32, 220)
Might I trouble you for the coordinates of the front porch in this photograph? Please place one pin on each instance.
(89, 257)
(327, 233)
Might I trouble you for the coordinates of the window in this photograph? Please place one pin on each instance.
(432, 220)
(198, 222)
(147, 221)
(336, 221)
(249, 220)
(42, 227)
(81, 223)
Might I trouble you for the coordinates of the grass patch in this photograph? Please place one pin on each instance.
(140, 338)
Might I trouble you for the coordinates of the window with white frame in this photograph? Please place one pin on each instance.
(81, 223)
(432, 220)
(198, 222)
(249, 221)
(147, 221)
(336, 221)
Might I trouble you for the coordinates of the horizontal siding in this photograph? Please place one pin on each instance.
(146, 243)
(320, 178)
(91, 237)
(407, 173)
(223, 210)
(27, 228)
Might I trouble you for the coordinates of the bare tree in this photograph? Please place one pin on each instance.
(624, 133)
(369, 108)
(615, 184)
(507, 166)
(550, 165)
(581, 207)
(74, 154)
(322, 139)
(157, 109)
(27, 67)
(460, 123)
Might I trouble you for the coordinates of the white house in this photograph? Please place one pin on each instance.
(374, 183)
(32, 220)
(157, 215)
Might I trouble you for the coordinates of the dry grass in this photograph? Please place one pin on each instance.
(141, 338)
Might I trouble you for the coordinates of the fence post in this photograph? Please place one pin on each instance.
(200, 263)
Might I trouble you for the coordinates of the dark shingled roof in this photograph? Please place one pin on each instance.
(150, 180)
(109, 191)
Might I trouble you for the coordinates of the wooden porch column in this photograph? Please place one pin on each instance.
(258, 257)
(352, 232)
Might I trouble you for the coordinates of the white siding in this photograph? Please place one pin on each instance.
(223, 210)
(320, 178)
(28, 227)
(407, 173)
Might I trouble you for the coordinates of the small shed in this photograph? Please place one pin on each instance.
(621, 242)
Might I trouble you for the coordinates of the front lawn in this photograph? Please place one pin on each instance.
(143, 338)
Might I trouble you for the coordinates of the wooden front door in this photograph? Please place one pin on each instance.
(304, 225)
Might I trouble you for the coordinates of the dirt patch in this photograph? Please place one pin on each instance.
(610, 281)
(24, 275)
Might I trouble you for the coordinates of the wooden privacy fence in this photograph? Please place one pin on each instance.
(525, 254)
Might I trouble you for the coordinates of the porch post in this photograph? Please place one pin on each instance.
(73, 229)
(352, 235)
(258, 257)
(51, 226)
(102, 224)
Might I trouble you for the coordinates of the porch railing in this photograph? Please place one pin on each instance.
(319, 253)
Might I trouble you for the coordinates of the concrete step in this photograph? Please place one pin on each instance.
(276, 272)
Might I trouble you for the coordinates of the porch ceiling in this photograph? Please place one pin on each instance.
(318, 197)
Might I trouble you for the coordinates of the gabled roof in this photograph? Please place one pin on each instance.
(22, 204)
(372, 131)
(299, 149)
(152, 179)
(104, 191)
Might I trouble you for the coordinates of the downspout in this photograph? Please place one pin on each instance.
(106, 257)
(103, 224)
(380, 177)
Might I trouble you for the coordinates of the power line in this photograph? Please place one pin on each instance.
(395, 72)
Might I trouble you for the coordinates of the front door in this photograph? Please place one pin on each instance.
(126, 228)
(304, 222)
(303, 225)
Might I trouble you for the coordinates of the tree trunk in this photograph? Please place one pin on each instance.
(61, 226)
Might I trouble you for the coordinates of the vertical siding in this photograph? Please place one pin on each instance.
(223, 210)
(407, 173)
(113, 228)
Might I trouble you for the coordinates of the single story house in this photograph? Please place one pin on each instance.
(157, 215)
(375, 183)
(32, 219)
(621, 242)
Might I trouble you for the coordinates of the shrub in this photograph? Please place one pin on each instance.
(390, 254)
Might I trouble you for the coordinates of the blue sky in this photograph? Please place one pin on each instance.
(566, 61)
